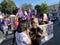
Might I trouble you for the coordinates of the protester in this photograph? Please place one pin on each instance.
(36, 21)
(40, 21)
(28, 21)
(15, 22)
(22, 34)
(36, 34)
(45, 18)
(9, 23)
(15, 27)
(1, 23)
(5, 27)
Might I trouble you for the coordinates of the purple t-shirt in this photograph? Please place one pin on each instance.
(6, 21)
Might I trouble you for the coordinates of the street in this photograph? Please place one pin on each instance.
(54, 41)
(29, 22)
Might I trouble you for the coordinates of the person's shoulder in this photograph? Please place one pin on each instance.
(38, 28)
(17, 33)
(31, 29)
(22, 34)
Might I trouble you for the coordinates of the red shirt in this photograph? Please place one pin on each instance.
(16, 24)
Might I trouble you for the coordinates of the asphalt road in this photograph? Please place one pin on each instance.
(54, 41)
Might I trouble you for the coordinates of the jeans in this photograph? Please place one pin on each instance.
(5, 34)
(37, 41)
(1, 30)
(14, 40)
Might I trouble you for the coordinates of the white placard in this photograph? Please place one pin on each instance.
(47, 32)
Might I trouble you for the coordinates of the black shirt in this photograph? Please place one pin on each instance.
(35, 31)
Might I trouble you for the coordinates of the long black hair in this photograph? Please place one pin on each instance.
(22, 25)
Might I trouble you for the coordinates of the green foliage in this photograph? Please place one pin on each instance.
(41, 9)
(26, 7)
(8, 7)
(3, 6)
(37, 7)
(0, 7)
(44, 8)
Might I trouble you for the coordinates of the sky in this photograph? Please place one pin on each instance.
(34, 2)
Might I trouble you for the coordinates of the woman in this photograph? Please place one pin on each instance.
(5, 27)
(15, 27)
(9, 23)
(36, 34)
(16, 22)
(22, 34)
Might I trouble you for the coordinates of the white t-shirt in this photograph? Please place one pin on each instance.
(22, 39)
(5, 27)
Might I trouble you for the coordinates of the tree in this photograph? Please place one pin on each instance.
(0, 7)
(44, 8)
(8, 7)
(37, 7)
(11, 7)
(26, 7)
(41, 9)
(3, 6)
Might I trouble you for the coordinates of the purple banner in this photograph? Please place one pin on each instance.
(30, 13)
(20, 13)
(35, 13)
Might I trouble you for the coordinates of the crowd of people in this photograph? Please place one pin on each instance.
(5, 25)
(26, 31)
(26, 35)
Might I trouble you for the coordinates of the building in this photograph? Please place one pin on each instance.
(54, 10)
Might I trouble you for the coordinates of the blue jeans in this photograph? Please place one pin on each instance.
(5, 34)
(36, 41)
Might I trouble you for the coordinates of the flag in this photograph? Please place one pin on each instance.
(20, 13)
(25, 13)
(30, 13)
(29, 10)
(35, 13)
